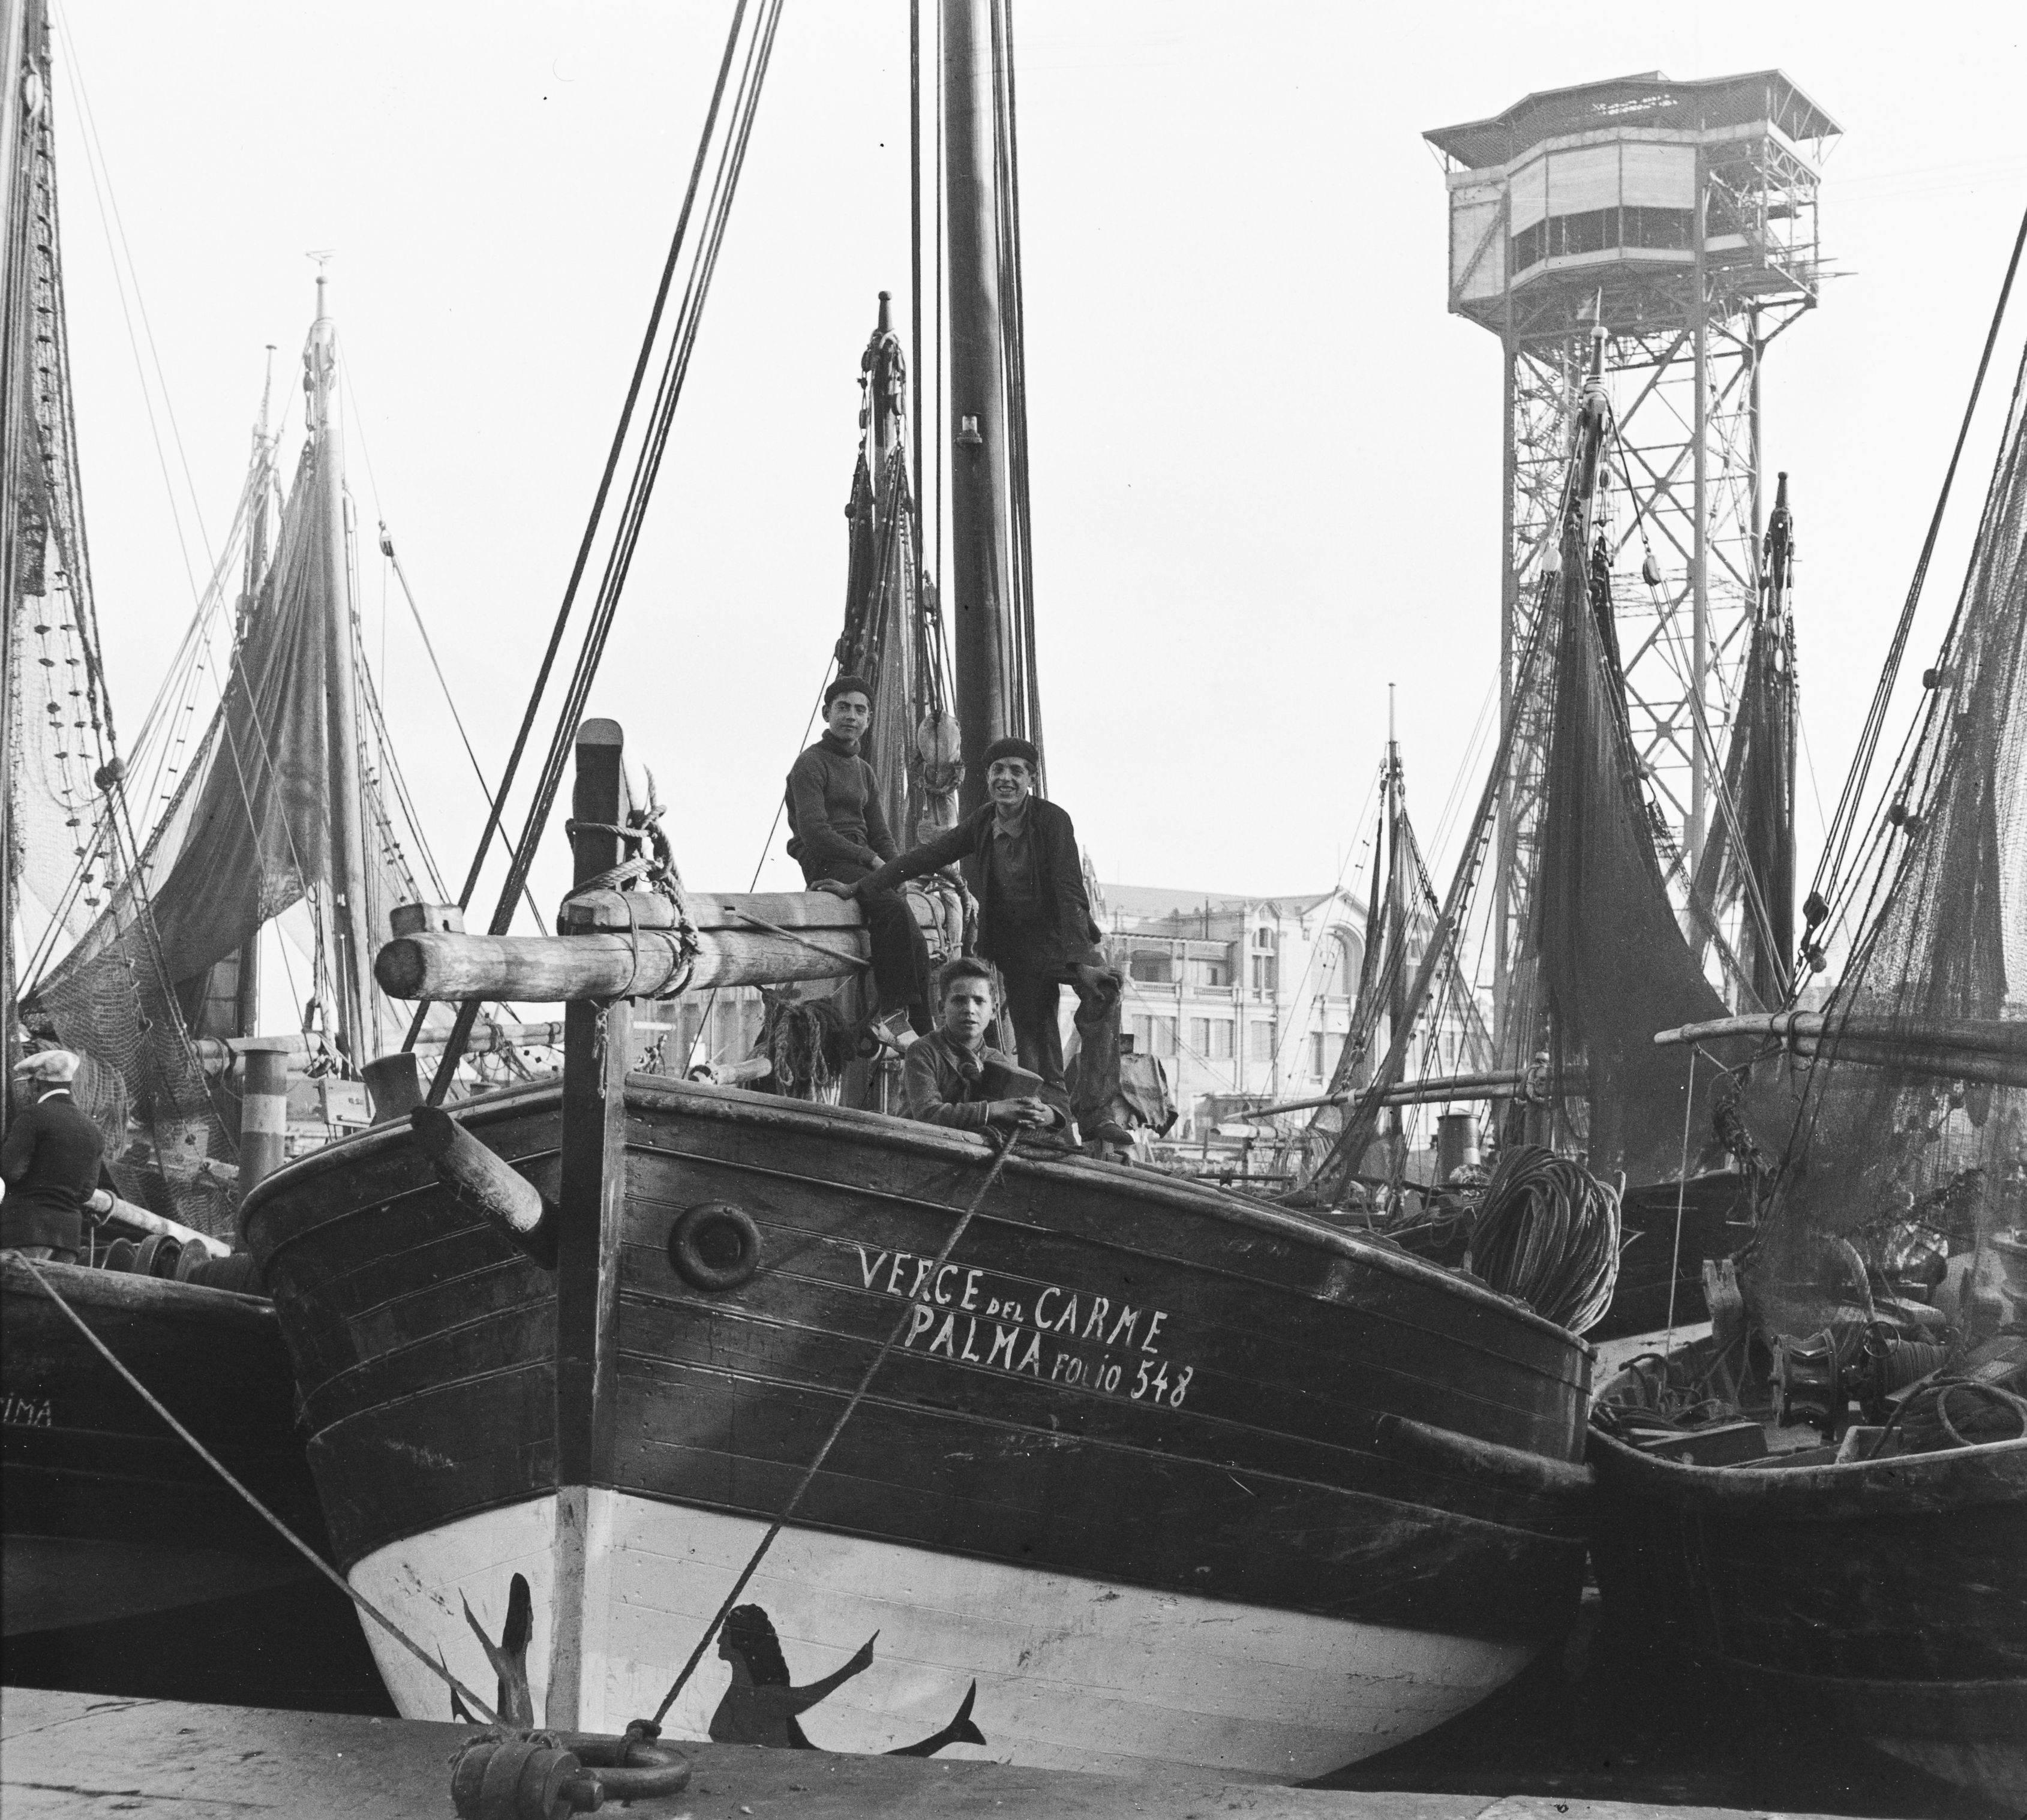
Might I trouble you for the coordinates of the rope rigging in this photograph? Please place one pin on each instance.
(731, 159)
(1829, 887)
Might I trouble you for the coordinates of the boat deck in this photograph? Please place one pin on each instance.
(77, 1754)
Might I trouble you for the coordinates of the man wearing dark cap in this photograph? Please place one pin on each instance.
(838, 835)
(49, 1164)
(1020, 857)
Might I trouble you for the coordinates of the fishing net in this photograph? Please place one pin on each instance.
(245, 833)
(893, 634)
(1613, 966)
(1902, 1146)
(1753, 866)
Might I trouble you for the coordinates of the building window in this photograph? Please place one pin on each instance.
(1210, 973)
(1154, 1036)
(1259, 1041)
(1263, 937)
(1151, 966)
(1263, 972)
(1211, 1038)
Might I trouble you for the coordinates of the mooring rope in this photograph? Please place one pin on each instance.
(830, 1440)
(260, 1510)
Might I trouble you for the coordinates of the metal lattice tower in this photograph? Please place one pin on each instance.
(1682, 215)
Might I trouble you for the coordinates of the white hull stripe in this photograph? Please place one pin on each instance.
(1071, 1673)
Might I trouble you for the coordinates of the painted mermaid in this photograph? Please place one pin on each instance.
(760, 1707)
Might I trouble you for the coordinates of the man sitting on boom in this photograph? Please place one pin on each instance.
(838, 835)
(1020, 858)
(950, 1077)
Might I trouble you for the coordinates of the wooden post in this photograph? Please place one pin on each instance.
(264, 1115)
(598, 1041)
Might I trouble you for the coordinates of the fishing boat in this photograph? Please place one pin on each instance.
(1825, 1500)
(665, 1399)
(141, 956)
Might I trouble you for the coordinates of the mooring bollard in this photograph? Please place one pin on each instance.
(264, 1111)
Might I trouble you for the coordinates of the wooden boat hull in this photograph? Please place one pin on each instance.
(109, 1516)
(1661, 1273)
(1170, 1477)
(1883, 1602)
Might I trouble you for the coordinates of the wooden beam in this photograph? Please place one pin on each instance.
(544, 969)
(220, 1054)
(1988, 1036)
(597, 1048)
(487, 1183)
(1943, 1048)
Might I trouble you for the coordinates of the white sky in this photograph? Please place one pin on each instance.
(1265, 461)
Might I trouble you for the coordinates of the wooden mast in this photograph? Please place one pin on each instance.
(351, 940)
(16, 44)
(979, 581)
(246, 978)
(1397, 924)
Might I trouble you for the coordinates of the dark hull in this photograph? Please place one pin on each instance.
(109, 1516)
(1713, 1224)
(1884, 1602)
(1341, 1434)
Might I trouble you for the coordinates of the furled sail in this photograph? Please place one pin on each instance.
(56, 714)
(254, 823)
(1613, 966)
(893, 634)
(1944, 901)
(1752, 867)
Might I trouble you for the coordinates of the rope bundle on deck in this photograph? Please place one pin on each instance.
(1548, 1233)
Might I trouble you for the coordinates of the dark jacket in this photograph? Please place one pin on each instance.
(1067, 936)
(834, 814)
(51, 1164)
(943, 1084)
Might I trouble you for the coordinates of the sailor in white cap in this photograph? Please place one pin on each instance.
(50, 1162)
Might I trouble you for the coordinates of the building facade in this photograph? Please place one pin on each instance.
(1238, 997)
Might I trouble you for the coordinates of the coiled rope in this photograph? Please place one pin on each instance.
(1548, 1233)
(1924, 1424)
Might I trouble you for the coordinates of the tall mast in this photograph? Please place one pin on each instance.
(246, 989)
(979, 578)
(351, 940)
(13, 393)
(1396, 923)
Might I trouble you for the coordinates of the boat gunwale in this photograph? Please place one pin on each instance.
(733, 1105)
(86, 1286)
(1990, 1472)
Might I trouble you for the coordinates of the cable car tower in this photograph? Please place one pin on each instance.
(1682, 216)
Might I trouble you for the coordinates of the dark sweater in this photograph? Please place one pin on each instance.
(943, 1083)
(1064, 935)
(51, 1164)
(834, 812)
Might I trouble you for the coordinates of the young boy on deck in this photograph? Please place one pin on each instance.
(944, 1078)
(1019, 853)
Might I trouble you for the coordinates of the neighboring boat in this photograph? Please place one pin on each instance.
(1879, 1601)
(1141, 1473)
(109, 1515)
(1873, 1588)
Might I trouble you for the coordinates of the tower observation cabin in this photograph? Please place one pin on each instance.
(1681, 217)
